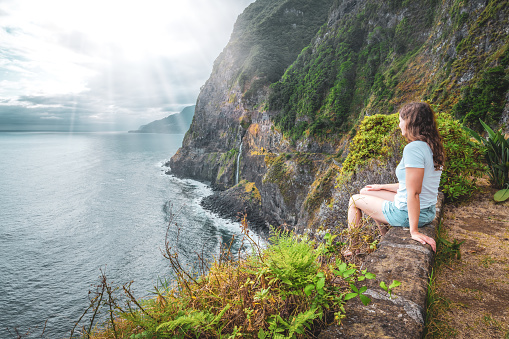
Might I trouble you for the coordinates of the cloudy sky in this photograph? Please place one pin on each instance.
(106, 64)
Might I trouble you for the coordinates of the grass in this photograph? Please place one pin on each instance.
(291, 289)
(466, 296)
(437, 305)
(486, 261)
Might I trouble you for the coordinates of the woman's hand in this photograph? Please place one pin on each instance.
(385, 187)
(424, 239)
(373, 187)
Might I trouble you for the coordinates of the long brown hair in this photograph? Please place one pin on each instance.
(421, 124)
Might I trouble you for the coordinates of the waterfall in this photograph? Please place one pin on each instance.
(238, 165)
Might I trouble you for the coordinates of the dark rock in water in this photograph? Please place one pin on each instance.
(241, 199)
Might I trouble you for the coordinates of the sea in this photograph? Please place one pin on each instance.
(76, 205)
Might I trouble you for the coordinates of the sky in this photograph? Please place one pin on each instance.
(106, 65)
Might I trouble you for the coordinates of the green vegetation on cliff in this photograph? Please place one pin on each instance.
(347, 63)
(313, 70)
(380, 55)
(284, 170)
(269, 35)
(484, 100)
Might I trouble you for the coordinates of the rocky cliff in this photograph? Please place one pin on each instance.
(289, 89)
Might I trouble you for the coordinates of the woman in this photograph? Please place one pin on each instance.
(411, 202)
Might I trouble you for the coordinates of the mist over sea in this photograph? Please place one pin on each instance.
(72, 204)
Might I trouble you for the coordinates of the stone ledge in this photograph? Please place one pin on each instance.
(398, 257)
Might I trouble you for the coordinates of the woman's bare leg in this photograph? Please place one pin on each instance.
(386, 195)
(369, 204)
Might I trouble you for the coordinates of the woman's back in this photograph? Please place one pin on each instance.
(418, 154)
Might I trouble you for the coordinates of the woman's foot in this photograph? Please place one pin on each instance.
(383, 229)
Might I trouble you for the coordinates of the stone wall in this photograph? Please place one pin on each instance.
(398, 257)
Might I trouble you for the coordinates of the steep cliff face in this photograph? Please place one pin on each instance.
(374, 56)
(297, 76)
(267, 37)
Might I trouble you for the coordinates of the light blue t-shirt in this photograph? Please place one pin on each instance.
(418, 154)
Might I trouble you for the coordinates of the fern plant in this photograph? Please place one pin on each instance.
(290, 289)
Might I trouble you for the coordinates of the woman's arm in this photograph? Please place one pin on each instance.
(386, 187)
(414, 178)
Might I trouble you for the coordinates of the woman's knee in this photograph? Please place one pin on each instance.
(353, 199)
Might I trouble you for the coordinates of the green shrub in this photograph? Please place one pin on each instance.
(289, 261)
(463, 163)
(372, 140)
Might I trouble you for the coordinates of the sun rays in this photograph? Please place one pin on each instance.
(111, 64)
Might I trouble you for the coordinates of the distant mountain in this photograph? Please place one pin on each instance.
(173, 124)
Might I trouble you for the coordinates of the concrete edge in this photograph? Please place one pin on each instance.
(403, 314)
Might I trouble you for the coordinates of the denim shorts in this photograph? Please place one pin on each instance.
(397, 217)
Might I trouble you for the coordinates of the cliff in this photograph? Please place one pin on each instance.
(288, 91)
(173, 124)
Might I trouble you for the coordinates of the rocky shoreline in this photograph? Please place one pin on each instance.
(232, 204)
(227, 205)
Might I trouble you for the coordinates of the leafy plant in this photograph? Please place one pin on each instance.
(348, 273)
(330, 247)
(389, 288)
(496, 153)
(358, 292)
(278, 326)
(501, 195)
(372, 245)
(450, 249)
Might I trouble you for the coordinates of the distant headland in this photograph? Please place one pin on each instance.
(173, 124)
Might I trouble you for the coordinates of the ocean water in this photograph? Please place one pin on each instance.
(73, 204)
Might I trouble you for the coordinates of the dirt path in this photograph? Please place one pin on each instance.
(471, 295)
